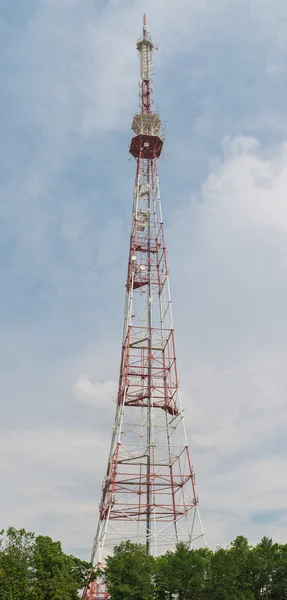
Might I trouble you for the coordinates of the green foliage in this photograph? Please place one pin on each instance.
(129, 573)
(183, 573)
(16, 552)
(36, 568)
(239, 572)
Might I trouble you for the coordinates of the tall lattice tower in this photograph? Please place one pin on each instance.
(148, 492)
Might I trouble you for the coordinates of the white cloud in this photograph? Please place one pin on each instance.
(233, 240)
(248, 188)
(77, 64)
(99, 395)
(51, 482)
(234, 502)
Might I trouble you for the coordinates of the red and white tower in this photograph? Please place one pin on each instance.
(148, 492)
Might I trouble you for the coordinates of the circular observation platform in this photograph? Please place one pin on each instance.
(146, 146)
(147, 143)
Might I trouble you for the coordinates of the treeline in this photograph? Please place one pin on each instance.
(240, 572)
(36, 568)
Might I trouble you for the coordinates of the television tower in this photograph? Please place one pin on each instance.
(148, 492)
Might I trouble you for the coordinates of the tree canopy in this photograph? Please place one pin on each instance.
(36, 568)
(239, 572)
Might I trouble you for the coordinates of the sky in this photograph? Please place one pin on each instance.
(69, 79)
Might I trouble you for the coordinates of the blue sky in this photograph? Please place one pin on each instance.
(69, 74)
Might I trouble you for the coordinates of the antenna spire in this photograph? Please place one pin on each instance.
(145, 47)
(144, 26)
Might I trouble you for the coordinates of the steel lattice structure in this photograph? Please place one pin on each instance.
(148, 493)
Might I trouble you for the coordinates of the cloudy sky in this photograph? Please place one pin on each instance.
(69, 81)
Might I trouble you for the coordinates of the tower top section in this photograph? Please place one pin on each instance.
(148, 140)
(145, 47)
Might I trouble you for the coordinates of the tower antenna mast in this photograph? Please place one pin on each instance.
(148, 492)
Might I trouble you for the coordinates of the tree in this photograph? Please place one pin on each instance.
(16, 573)
(263, 565)
(240, 552)
(36, 568)
(57, 575)
(222, 583)
(183, 573)
(129, 573)
(278, 589)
